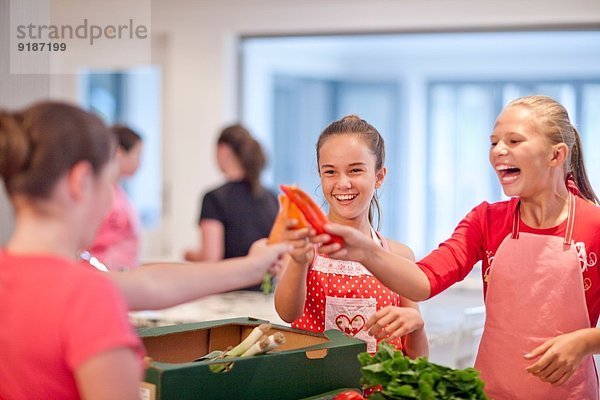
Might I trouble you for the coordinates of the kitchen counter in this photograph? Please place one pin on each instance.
(220, 306)
(451, 328)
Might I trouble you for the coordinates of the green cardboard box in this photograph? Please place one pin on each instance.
(306, 365)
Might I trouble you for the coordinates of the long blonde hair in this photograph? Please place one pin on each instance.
(554, 122)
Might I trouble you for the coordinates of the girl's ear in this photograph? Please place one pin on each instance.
(380, 177)
(80, 179)
(560, 152)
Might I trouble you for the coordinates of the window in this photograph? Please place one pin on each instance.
(434, 97)
(304, 107)
(132, 97)
(460, 115)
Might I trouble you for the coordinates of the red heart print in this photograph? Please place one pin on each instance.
(350, 326)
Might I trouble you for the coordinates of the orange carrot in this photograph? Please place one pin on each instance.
(287, 211)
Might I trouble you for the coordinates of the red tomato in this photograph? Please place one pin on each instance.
(349, 395)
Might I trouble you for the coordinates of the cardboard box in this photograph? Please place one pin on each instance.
(306, 365)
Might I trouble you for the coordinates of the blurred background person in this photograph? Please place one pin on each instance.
(117, 243)
(7, 220)
(240, 211)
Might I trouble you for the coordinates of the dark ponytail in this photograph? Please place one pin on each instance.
(248, 151)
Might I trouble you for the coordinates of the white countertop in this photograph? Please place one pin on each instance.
(220, 306)
(444, 316)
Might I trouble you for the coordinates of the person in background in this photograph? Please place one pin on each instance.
(539, 252)
(117, 243)
(240, 211)
(65, 332)
(317, 293)
(6, 216)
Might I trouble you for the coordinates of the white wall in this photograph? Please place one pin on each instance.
(200, 71)
(15, 91)
(411, 61)
(201, 87)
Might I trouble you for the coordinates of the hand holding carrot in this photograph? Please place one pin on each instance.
(270, 256)
(303, 251)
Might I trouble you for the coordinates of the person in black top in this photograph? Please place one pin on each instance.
(241, 211)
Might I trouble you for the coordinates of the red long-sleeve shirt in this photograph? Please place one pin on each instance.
(479, 234)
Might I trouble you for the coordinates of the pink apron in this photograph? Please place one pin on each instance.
(535, 293)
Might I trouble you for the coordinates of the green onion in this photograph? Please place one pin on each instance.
(254, 336)
(267, 343)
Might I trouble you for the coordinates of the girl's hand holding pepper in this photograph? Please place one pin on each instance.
(356, 247)
(299, 238)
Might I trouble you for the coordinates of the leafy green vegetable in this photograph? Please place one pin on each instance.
(403, 378)
(267, 285)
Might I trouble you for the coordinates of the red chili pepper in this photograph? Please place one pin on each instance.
(349, 395)
(311, 211)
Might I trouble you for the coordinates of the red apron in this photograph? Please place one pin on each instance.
(535, 292)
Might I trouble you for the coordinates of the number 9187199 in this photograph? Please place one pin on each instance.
(41, 46)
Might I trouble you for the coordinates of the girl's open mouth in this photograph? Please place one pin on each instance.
(508, 174)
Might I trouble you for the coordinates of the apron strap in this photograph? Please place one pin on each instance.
(570, 220)
(516, 219)
(380, 240)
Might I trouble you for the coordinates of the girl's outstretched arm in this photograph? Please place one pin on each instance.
(161, 285)
(397, 272)
(290, 292)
